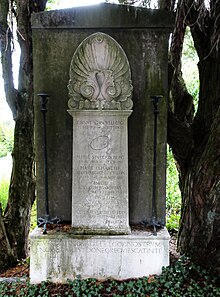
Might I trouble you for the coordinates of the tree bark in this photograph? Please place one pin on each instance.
(15, 223)
(6, 252)
(7, 257)
(195, 140)
(6, 56)
(199, 235)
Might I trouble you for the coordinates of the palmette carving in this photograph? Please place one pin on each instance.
(100, 76)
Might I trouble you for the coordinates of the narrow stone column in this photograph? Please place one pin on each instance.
(100, 101)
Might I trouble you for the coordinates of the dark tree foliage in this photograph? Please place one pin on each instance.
(195, 137)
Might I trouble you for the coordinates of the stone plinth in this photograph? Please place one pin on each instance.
(100, 172)
(61, 256)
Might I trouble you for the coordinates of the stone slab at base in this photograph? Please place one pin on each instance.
(59, 256)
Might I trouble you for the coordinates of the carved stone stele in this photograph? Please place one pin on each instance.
(100, 76)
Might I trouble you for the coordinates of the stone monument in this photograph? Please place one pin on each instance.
(100, 92)
(100, 170)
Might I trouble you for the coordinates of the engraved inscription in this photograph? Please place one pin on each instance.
(100, 172)
(126, 247)
(99, 143)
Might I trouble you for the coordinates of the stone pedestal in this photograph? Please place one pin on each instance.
(59, 256)
(100, 172)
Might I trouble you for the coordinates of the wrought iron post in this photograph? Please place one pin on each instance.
(155, 99)
(46, 220)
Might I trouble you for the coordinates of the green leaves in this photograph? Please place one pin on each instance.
(6, 138)
(4, 186)
(189, 67)
(173, 197)
(182, 279)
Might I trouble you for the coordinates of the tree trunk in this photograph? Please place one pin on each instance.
(6, 252)
(15, 223)
(7, 257)
(199, 234)
(196, 140)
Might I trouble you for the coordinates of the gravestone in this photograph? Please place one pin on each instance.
(96, 182)
(100, 89)
(143, 34)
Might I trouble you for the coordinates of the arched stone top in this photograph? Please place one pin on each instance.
(100, 76)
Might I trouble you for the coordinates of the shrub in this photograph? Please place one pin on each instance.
(4, 186)
(33, 216)
(6, 137)
(173, 196)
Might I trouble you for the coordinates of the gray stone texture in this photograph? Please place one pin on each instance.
(62, 256)
(100, 75)
(100, 172)
(143, 34)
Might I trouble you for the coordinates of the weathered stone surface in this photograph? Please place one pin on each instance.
(143, 34)
(104, 15)
(61, 256)
(100, 76)
(100, 172)
(100, 202)
(100, 84)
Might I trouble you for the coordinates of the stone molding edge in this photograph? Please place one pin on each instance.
(161, 234)
(103, 112)
(104, 15)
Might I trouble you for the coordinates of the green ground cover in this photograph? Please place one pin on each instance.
(183, 279)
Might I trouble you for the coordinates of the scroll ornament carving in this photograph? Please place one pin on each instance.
(100, 76)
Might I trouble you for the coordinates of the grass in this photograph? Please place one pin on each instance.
(173, 195)
(4, 186)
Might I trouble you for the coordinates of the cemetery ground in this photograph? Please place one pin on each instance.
(181, 278)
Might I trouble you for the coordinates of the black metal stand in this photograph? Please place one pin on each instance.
(46, 220)
(155, 99)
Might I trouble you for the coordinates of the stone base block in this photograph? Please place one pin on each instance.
(59, 256)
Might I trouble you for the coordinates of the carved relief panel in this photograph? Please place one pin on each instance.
(100, 76)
